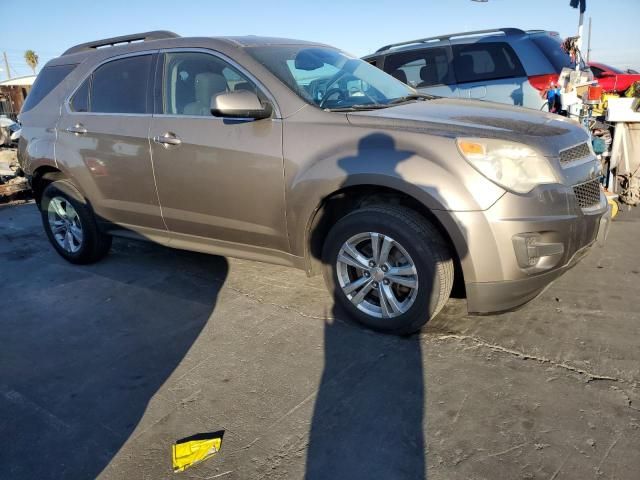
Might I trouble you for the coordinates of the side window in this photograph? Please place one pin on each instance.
(236, 81)
(80, 100)
(48, 79)
(420, 68)
(121, 86)
(597, 72)
(485, 61)
(191, 78)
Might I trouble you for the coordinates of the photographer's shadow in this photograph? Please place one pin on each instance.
(369, 413)
(368, 416)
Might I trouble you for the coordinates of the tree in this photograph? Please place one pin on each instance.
(31, 58)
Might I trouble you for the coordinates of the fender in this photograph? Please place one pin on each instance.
(336, 154)
(308, 194)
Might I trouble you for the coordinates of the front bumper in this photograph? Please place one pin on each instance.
(495, 278)
(494, 297)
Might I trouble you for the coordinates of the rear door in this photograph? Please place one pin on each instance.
(103, 142)
(221, 179)
(489, 71)
(426, 69)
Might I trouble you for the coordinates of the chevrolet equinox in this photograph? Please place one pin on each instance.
(299, 154)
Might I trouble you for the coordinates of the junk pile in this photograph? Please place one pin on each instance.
(13, 186)
(614, 124)
(612, 120)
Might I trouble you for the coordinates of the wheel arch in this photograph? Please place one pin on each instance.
(347, 199)
(43, 176)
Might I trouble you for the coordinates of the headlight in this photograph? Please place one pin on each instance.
(511, 165)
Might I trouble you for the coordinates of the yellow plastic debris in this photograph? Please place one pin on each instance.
(189, 451)
(614, 207)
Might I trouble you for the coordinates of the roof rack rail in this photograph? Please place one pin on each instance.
(451, 35)
(110, 42)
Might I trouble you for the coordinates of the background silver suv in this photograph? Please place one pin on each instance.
(299, 154)
(507, 65)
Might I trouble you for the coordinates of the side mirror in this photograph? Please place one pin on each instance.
(242, 104)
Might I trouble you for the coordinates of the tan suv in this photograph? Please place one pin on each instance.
(299, 154)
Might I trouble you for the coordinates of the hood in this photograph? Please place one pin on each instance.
(547, 132)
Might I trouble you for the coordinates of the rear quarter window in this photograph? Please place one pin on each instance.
(486, 61)
(551, 47)
(48, 79)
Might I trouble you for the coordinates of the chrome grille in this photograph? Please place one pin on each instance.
(575, 153)
(588, 193)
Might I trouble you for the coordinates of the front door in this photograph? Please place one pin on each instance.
(218, 179)
(103, 142)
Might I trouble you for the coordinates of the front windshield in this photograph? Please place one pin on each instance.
(329, 78)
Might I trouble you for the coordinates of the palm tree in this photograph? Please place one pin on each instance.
(31, 58)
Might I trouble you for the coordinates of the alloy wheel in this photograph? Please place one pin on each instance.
(65, 224)
(377, 275)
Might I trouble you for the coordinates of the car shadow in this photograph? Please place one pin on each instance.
(369, 415)
(83, 358)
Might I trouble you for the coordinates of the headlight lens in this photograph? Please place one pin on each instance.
(511, 165)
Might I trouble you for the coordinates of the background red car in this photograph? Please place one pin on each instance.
(612, 79)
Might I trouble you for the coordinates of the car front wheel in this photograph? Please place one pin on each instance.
(388, 267)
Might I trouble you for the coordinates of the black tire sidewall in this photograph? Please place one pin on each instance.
(419, 250)
(87, 220)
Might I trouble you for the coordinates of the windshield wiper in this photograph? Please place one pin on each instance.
(413, 96)
(376, 106)
(358, 107)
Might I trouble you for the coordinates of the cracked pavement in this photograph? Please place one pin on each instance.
(103, 367)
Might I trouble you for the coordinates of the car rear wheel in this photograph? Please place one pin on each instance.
(388, 267)
(71, 225)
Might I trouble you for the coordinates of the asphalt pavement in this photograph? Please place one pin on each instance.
(103, 367)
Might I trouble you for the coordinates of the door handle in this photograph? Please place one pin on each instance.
(78, 129)
(167, 139)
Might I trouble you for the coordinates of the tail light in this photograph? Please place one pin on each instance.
(542, 83)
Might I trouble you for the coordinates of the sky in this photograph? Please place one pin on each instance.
(358, 26)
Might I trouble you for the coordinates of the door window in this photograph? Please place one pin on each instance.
(122, 86)
(80, 100)
(191, 79)
(485, 61)
(420, 68)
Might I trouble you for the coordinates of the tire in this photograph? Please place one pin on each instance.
(82, 241)
(417, 248)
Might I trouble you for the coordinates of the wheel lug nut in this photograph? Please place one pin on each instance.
(385, 281)
(372, 263)
(385, 268)
(367, 274)
(375, 284)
